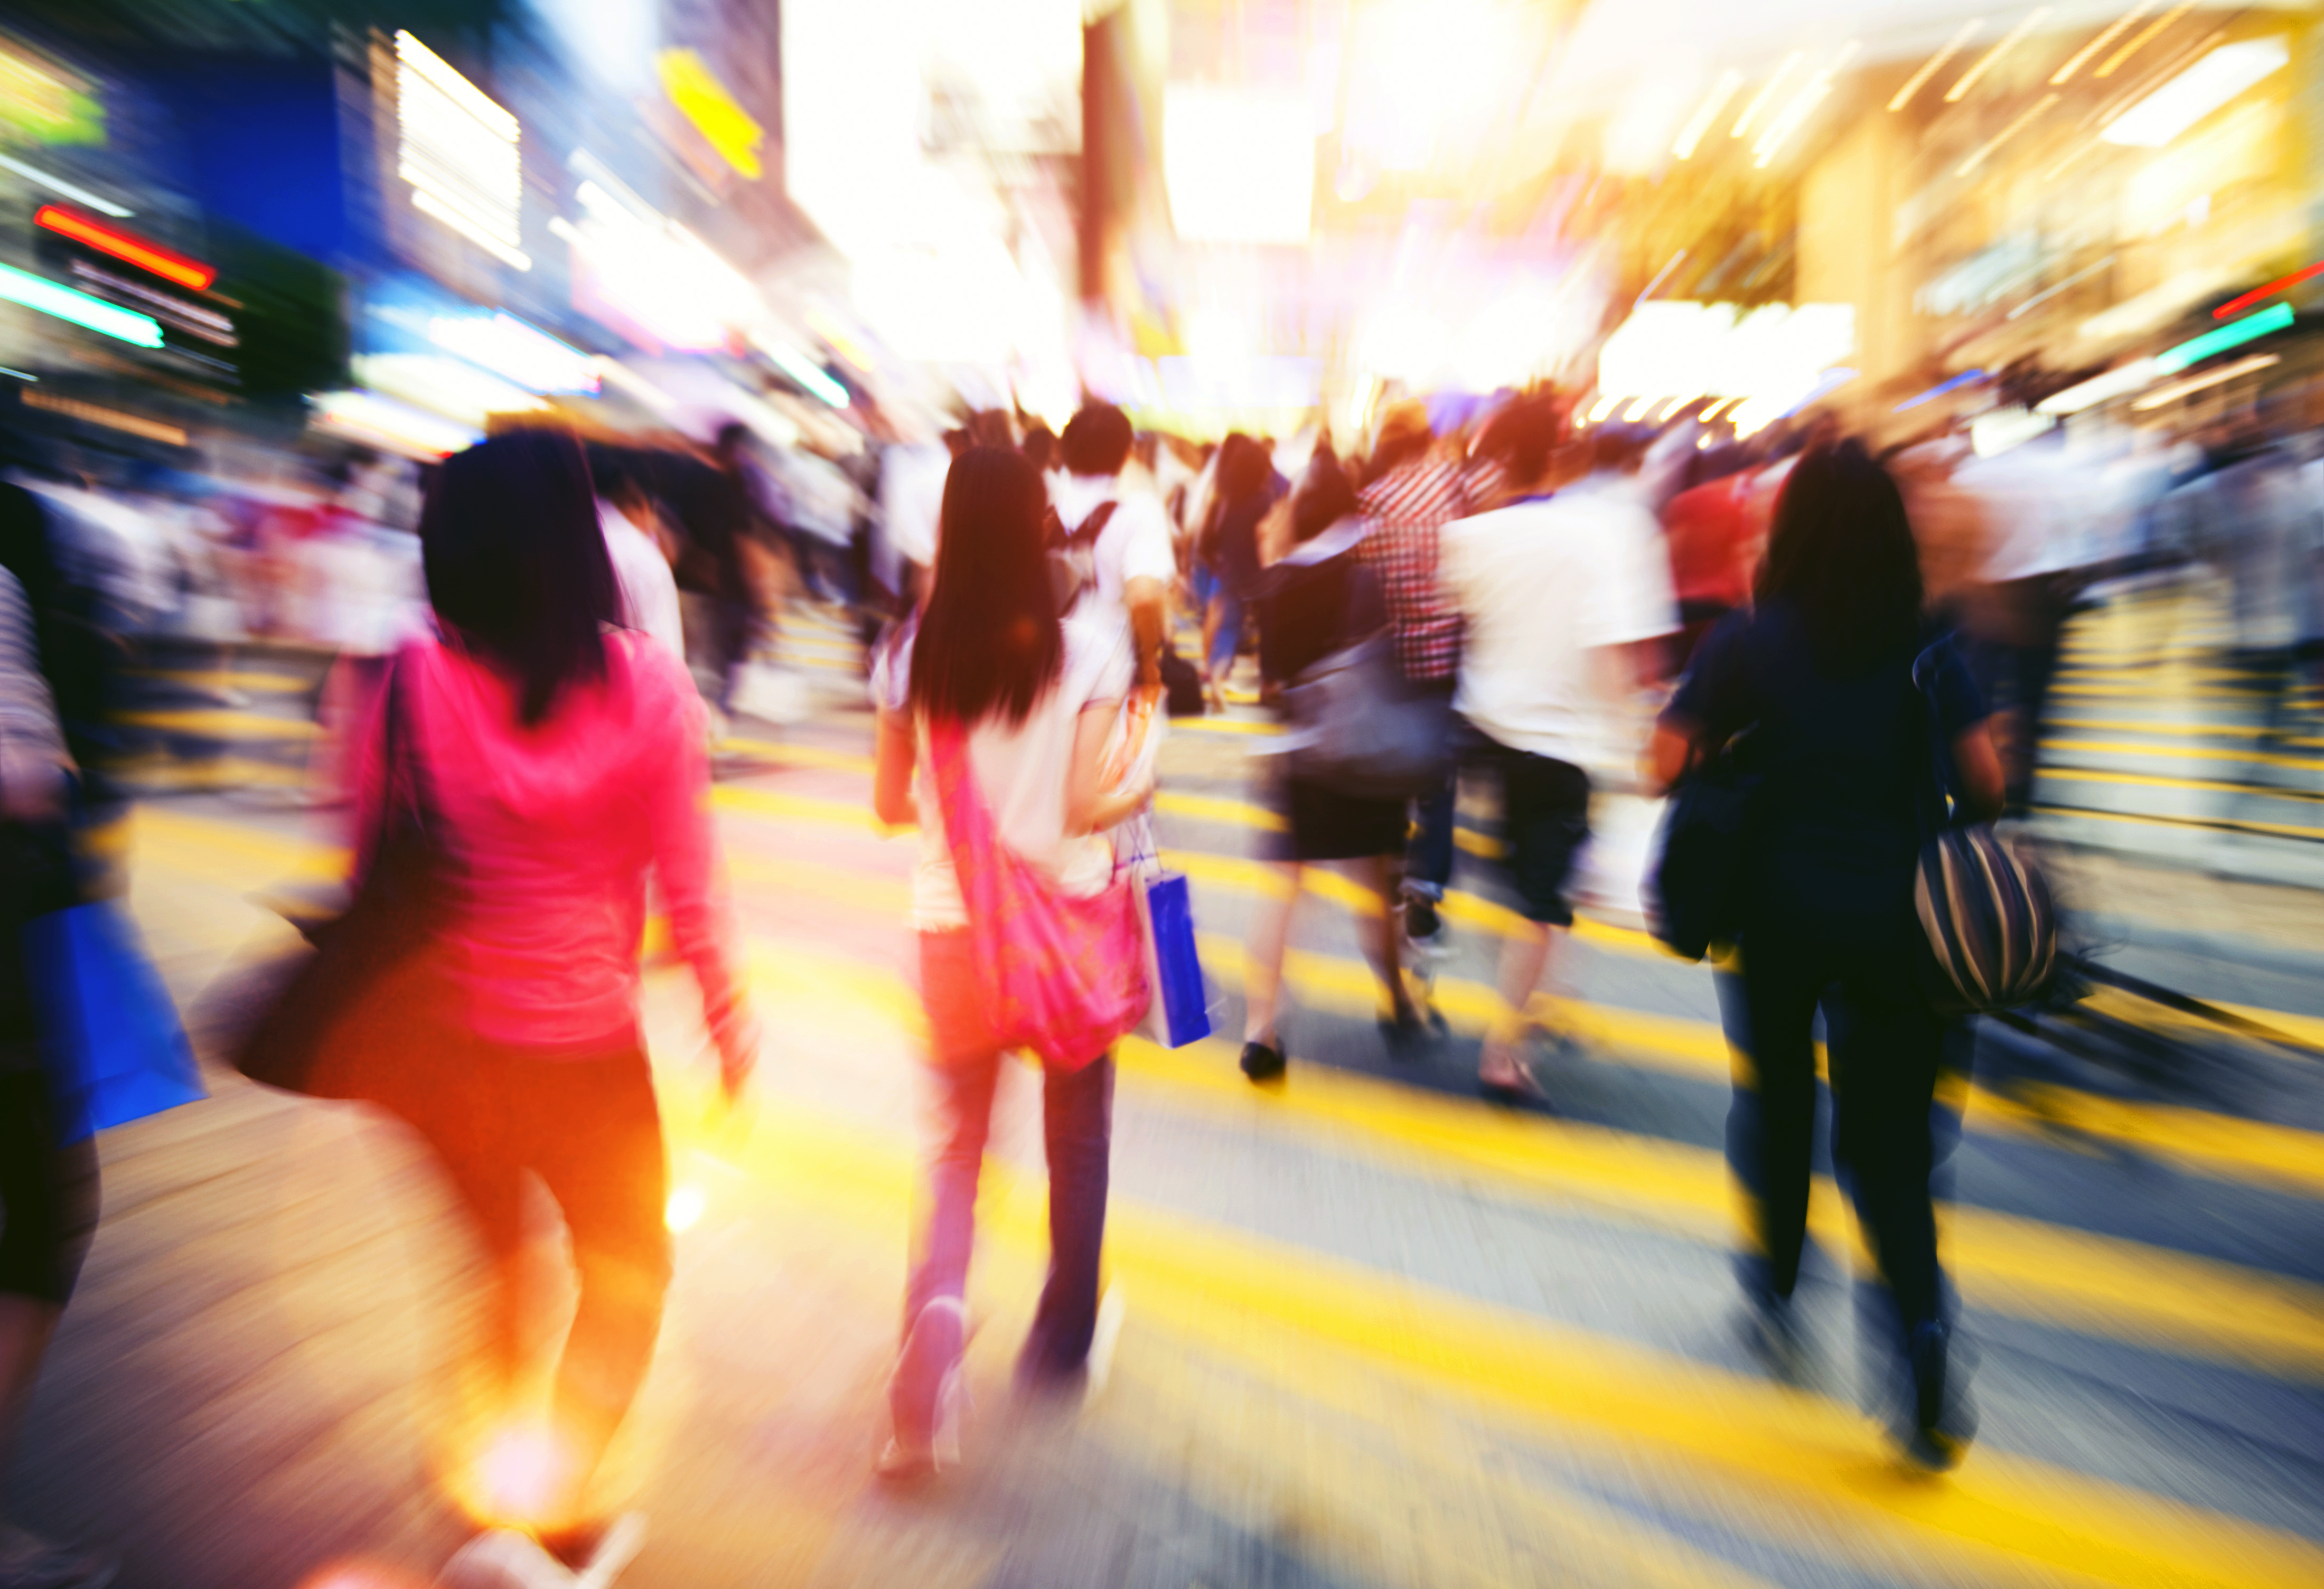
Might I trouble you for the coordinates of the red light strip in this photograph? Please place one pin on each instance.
(121, 245)
(2236, 305)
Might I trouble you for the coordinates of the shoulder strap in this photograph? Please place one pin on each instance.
(1092, 526)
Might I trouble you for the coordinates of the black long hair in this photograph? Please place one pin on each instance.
(989, 641)
(1842, 555)
(517, 565)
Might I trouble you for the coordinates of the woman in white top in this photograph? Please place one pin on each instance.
(1038, 698)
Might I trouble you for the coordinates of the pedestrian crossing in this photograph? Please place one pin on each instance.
(1383, 1327)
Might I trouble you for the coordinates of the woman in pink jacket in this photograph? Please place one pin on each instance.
(562, 758)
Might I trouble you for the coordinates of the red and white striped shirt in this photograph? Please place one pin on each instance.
(1408, 507)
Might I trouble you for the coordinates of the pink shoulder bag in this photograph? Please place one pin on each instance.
(1062, 976)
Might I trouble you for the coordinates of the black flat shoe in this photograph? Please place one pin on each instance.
(1262, 1063)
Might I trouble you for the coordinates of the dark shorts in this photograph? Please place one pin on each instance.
(48, 1193)
(1545, 819)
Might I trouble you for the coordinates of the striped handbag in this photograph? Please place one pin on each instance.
(1984, 907)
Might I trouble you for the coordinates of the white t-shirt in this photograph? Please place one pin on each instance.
(648, 588)
(1135, 542)
(1022, 772)
(1542, 582)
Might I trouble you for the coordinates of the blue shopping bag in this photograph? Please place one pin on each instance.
(110, 1037)
(1181, 1013)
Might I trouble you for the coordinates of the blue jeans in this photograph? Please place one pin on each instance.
(1077, 1129)
(1428, 860)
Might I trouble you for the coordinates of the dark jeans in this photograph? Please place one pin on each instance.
(1886, 1046)
(1077, 1129)
(48, 1193)
(2016, 674)
(733, 624)
(1428, 860)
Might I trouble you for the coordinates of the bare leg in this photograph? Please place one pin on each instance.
(1262, 978)
(1525, 957)
(1383, 942)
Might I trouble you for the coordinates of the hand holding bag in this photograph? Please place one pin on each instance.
(1179, 1012)
(362, 1014)
(1983, 903)
(1062, 975)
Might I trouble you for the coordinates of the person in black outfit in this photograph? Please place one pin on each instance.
(1819, 672)
(713, 507)
(1318, 600)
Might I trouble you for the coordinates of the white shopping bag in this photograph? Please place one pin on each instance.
(777, 695)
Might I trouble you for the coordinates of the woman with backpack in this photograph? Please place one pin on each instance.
(995, 719)
(1318, 600)
(1820, 672)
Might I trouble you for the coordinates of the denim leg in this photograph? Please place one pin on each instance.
(1885, 1049)
(1771, 1130)
(961, 1097)
(1077, 1122)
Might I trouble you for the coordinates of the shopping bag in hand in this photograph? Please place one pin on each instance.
(109, 1036)
(1180, 1011)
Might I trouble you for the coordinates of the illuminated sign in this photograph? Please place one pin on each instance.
(135, 250)
(38, 292)
(507, 347)
(458, 151)
(703, 100)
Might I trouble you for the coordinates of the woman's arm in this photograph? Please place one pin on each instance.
(1670, 754)
(1089, 805)
(893, 800)
(1976, 763)
(693, 887)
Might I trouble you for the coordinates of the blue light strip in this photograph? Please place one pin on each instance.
(1963, 379)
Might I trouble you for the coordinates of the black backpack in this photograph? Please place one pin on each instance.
(1072, 554)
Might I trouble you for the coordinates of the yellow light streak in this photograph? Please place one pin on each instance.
(1814, 92)
(2146, 36)
(1936, 63)
(2076, 61)
(1760, 100)
(2004, 135)
(1723, 90)
(2009, 41)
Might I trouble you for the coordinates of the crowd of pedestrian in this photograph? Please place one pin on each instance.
(1537, 606)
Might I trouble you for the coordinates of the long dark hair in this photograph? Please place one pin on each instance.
(989, 641)
(1842, 555)
(517, 565)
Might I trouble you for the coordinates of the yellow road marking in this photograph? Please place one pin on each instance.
(2077, 775)
(222, 724)
(269, 684)
(2100, 1284)
(2233, 825)
(1269, 1306)
(2177, 753)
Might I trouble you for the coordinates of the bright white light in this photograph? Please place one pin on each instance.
(2209, 378)
(624, 379)
(2009, 40)
(1239, 167)
(1997, 430)
(506, 345)
(1713, 103)
(458, 391)
(366, 417)
(1744, 122)
(686, 1205)
(802, 369)
(1812, 93)
(458, 151)
(58, 185)
(2197, 92)
(644, 269)
(1776, 355)
(1602, 407)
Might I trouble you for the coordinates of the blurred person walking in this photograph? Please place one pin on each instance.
(1125, 531)
(49, 1188)
(1320, 599)
(1822, 675)
(1563, 615)
(1413, 494)
(625, 509)
(994, 721)
(1226, 554)
(715, 511)
(558, 761)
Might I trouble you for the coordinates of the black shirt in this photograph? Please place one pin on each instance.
(1845, 758)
